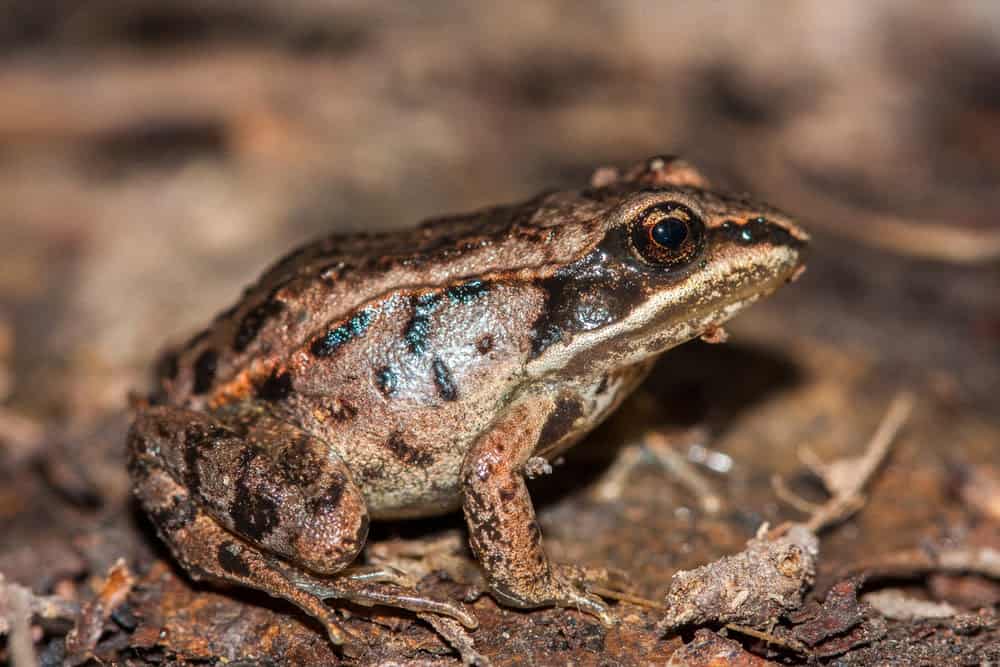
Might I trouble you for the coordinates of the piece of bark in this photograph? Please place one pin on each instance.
(754, 587)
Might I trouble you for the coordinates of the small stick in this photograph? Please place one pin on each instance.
(849, 498)
(457, 637)
(659, 445)
(983, 561)
(767, 637)
(846, 479)
(795, 500)
(19, 641)
(611, 594)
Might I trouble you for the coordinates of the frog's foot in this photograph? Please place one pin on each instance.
(368, 591)
(208, 551)
(581, 588)
(564, 587)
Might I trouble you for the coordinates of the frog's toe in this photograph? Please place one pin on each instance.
(382, 574)
(574, 582)
(573, 598)
(369, 592)
(592, 605)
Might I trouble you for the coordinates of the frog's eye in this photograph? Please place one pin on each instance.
(668, 234)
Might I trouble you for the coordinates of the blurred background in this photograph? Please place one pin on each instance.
(155, 156)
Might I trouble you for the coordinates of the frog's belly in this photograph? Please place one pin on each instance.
(419, 478)
(415, 498)
(428, 505)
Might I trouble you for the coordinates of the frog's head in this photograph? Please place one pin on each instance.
(672, 260)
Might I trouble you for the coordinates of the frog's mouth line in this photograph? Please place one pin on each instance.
(656, 326)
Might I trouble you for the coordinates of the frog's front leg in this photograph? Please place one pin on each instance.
(503, 532)
(253, 501)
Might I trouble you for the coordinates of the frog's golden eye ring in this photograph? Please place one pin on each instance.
(667, 235)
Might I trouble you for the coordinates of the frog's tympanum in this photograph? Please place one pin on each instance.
(413, 373)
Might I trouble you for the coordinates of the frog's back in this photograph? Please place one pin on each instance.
(329, 288)
(395, 348)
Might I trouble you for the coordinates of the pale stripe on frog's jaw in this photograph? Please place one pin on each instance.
(736, 271)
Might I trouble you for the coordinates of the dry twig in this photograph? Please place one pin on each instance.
(457, 637)
(659, 447)
(768, 637)
(846, 478)
(18, 616)
(81, 640)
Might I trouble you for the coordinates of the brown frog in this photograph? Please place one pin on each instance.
(412, 373)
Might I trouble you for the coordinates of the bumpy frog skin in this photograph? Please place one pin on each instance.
(413, 373)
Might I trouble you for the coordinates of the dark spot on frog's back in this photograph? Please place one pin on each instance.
(419, 326)
(254, 321)
(485, 344)
(332, 340)
(386, 380)
(277, 386)
(560, 422)
(407, 453)
(469, 292)
(443, 380)
(204, 370)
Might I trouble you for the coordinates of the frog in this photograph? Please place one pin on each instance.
(412, 373)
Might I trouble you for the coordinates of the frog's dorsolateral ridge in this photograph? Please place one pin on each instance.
(413, 373)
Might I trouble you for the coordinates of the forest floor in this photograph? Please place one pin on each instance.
(154, 157)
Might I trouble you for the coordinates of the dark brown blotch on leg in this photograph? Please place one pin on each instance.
(253, 512)
(301, 465)
(230, 560)
(329, 500)
(560, 422)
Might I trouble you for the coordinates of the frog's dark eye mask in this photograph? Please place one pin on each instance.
(667, 235)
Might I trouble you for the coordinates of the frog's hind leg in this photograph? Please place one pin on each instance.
(208, 551)
(272, 484)
(226, 496)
